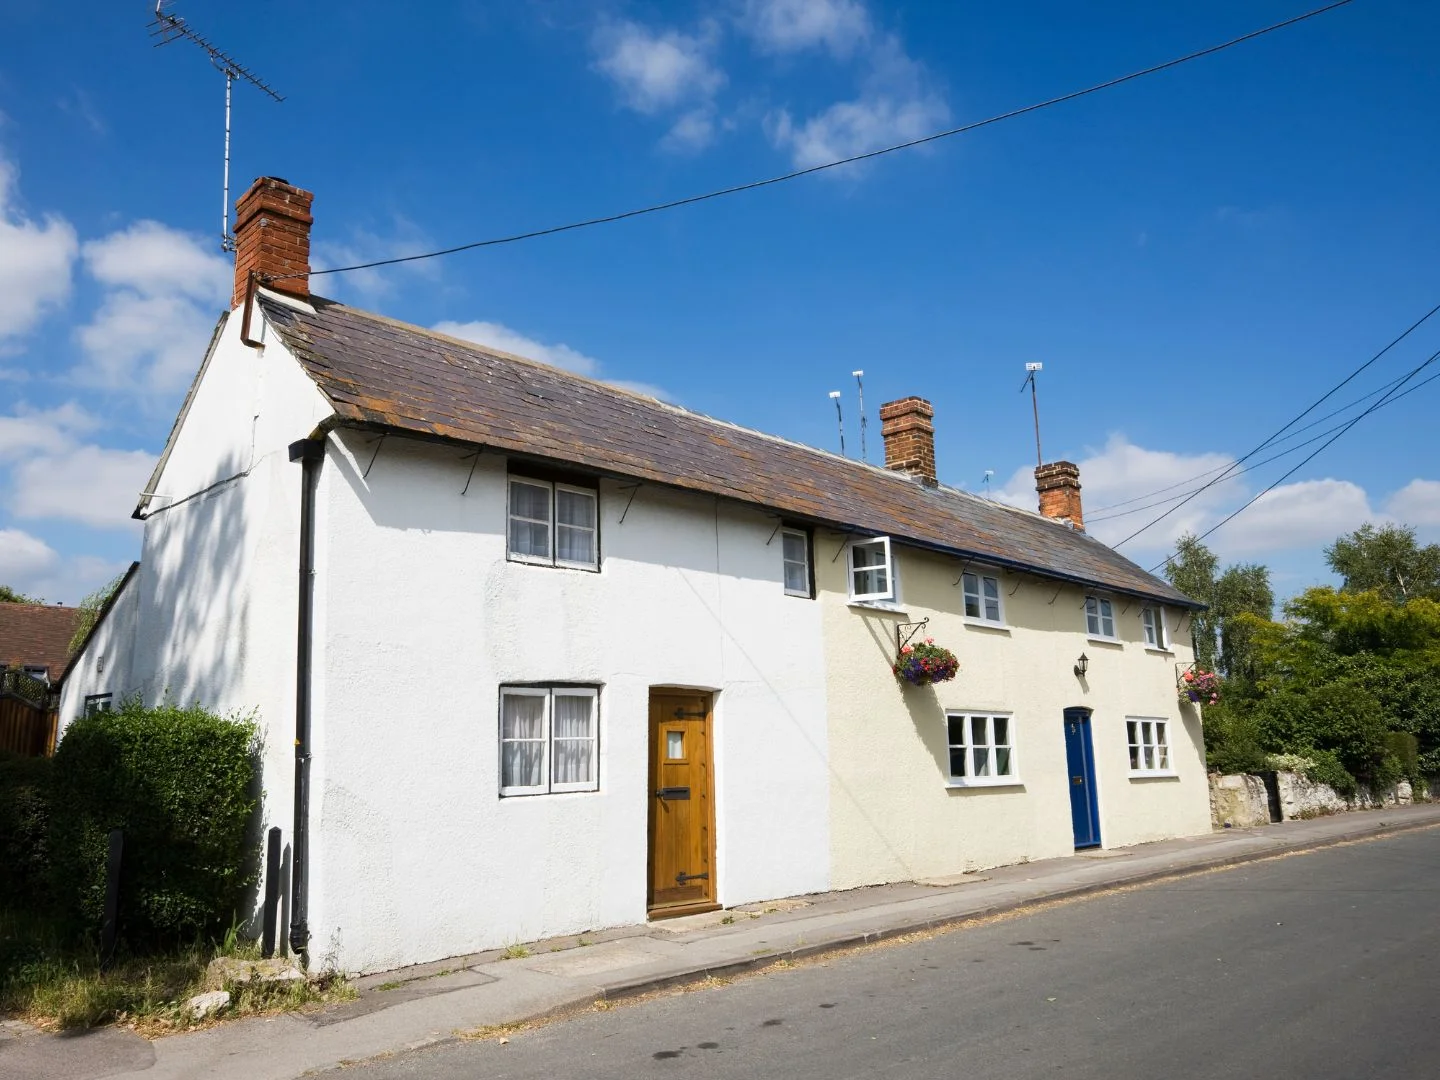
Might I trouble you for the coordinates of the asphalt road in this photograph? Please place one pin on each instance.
(1316, 966)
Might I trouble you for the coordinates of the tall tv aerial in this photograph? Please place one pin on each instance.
(1030, 372)
(170, 28)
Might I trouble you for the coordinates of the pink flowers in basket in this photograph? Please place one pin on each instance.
(1200, 686)
(925, 663)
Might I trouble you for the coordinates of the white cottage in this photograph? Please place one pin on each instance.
(531, 654)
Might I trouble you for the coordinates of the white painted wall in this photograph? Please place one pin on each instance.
(416, 856)
(210, 616)
(893, 816)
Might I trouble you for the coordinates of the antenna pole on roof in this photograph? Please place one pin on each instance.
(1030, 370)
(170, 28)
(864, 456)
(839, 419)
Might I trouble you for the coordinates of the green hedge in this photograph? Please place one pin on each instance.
(182, 785)
(24, 821)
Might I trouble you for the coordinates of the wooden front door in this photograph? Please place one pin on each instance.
(682, 828)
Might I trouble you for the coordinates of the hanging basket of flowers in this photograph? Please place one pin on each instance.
(925, 663)
(1199, 687)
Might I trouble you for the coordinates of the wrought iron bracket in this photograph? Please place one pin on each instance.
(906, 631)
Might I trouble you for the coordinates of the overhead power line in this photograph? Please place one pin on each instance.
(797, 173)
(1291, 423)
(1308, 457)
(1100, 514)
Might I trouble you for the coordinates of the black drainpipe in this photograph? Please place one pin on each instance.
(311, 455)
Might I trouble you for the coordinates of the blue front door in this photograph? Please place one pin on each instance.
(1080, 760)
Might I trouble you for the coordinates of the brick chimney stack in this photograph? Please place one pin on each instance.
(909, 437)
(272, 237)
(1059, 486)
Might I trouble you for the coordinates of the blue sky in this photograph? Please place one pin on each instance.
(1193, 256)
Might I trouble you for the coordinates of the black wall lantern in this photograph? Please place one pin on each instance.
(1081, 666)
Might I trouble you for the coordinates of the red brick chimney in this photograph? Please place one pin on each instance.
(272, 237)
(1059, 486)
(909, 437)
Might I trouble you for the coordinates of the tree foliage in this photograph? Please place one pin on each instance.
(1388, 560)
(90, 611)
(10, 596)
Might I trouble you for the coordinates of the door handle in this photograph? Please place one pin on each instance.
(673, 793)
(682, 878)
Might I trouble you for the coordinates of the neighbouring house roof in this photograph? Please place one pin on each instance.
(38, 635)
(397, 377)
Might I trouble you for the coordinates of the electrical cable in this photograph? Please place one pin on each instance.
(1291, 423)
(796, 174)
(1308, 458)
(1092, 518)
(1100, 510)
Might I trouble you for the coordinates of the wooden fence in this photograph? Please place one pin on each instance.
(28, 716)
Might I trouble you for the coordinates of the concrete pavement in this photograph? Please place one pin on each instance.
(427, 1004)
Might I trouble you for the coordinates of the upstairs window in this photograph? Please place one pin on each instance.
(1099, 617)
(549, 737)
(1152, 621)
(795, 549)
(982, 598)
(1149, 746)
(872, 571)
(980, 749)
(98, 703)
(553, 524)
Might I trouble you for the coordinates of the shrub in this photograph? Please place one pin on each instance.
(1340, 717)
(24, 818)
(1232, 742)
(1325, 768)
(181, 783)
(1405, 748)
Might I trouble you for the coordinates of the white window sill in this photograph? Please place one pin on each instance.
(1097, 640)
(1159, 651)
(986, 624)
(878, 605)
(1151, 774)
(986, 782)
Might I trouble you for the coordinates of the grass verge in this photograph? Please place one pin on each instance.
(54, 985)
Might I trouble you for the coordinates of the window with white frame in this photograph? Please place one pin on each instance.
(1152, 621)
(549, 739)
(98, 703)
(872, 570)
(982, 597)
(1099, 617)
(981, 750)
(795, 550)
(553, 524)
(1149, 745)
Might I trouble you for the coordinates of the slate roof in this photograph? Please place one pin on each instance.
(37, 634)
(379, 372)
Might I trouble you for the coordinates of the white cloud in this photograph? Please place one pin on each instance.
(163, 291)
(47, 431)
(364, 246)
(1122, 472)
(1417, 504)
(499, 336)
(89, 484)
(694, 131)
(24, 559)
(658, 70)
(35, 260)
(33, 567)
(784, 26)
(1309, 514)
(897, 103)
(155, 260)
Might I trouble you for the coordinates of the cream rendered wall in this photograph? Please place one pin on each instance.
(893, 817)
(210, 615)
(422, 619)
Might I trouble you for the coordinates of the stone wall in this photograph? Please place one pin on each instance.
(1239, 801)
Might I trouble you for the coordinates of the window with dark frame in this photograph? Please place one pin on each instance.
(553, 524)
(98, 703)
(795, 552)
